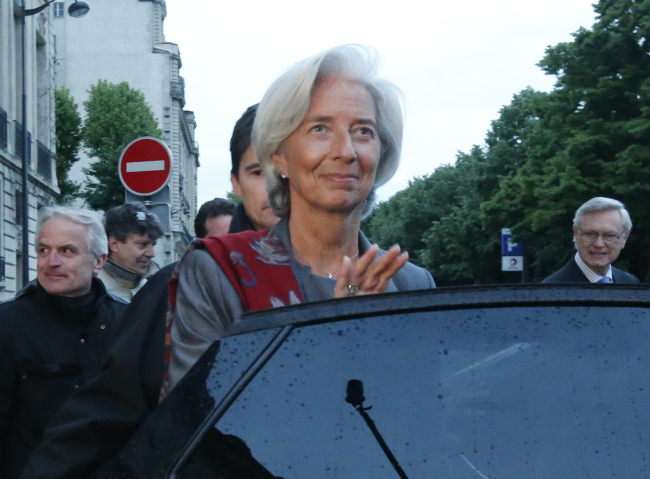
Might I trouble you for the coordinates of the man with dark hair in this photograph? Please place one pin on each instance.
(214, 218)
(247, 178)
(55, 333)
(132, 232)
(601, 227)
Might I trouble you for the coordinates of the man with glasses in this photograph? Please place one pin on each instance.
(600, 228)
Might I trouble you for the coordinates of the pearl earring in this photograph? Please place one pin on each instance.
(283, 176)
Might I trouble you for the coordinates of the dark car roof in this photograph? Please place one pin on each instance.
(495, 296)
(537, 381)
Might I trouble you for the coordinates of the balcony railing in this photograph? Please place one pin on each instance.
(177, 90)
(44, 161)
(4, 130)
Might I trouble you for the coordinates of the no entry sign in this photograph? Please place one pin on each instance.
(145, 166)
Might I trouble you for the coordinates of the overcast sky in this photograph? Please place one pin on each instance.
(458, 63)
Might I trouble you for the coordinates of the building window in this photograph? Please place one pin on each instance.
(4, 130)
(59, 9)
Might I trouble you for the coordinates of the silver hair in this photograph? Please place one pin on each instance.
(601, 203)
(96, 240)
(286, 102)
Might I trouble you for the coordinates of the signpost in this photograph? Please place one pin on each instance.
(512, 254)
(145, 168)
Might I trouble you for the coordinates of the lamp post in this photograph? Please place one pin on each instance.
(76, 10)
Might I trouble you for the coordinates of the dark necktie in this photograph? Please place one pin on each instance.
(605, 279)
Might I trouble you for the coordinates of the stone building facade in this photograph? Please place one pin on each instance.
(38, 56)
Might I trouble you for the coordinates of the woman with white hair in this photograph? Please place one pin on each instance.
(328, 132)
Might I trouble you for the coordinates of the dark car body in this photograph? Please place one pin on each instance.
(502, 382)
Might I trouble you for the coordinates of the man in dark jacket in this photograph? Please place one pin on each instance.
(601, 227)
(55, 333)
(101, 417)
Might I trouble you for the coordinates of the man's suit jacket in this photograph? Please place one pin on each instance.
(571, 273)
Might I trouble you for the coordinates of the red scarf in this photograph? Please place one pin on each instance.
(258, 267)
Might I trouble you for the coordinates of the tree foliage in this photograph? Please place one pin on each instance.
(115, 116)
(546, 155)
(413, 210)
(437, 219)
(233, 197)
(68, 140)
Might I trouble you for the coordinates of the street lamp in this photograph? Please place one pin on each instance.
(76, 10)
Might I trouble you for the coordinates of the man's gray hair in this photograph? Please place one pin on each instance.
(96, 240)
(601, 203)
(286, 102)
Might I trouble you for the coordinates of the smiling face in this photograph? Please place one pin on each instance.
(598, 255)
(64, 266)
(134, 254)
(250, 186)
(331, 159)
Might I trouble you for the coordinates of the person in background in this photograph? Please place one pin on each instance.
(601, 227)
(132, 233)
(100, 417)
(247, 178)
(56, 332)
(327, 133)
(214, 218)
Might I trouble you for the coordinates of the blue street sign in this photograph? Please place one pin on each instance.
(508, 246)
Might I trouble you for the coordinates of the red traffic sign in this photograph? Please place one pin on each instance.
(145, 166)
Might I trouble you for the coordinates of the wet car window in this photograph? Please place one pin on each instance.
(156, 447)
(518, 392)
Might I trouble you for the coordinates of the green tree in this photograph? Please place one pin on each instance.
(406, 217)
(68, 140)
(115, 116)
(460, 249)
(592, 140)
(546, 155)
(437, 219)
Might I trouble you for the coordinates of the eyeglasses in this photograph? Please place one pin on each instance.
(592, 237)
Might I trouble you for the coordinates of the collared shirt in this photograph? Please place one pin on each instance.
(591, 276)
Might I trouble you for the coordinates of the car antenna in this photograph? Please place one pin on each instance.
(354, 396)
